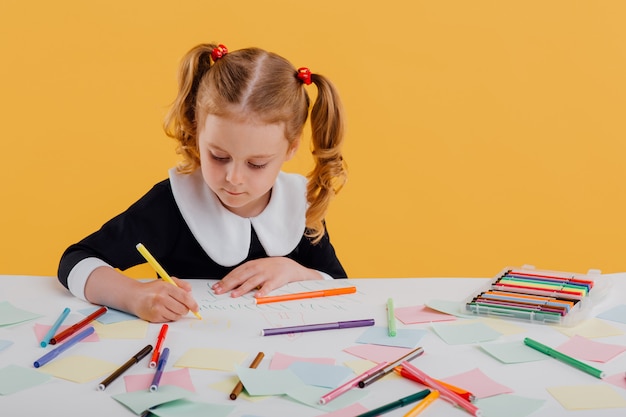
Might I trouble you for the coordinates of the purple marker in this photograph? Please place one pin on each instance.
(316, 327)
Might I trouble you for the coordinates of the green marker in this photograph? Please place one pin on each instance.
(391, 318)
(564, 358)
(396, 404)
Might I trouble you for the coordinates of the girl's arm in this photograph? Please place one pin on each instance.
(266, 274)
(155, 301)
(307, 262)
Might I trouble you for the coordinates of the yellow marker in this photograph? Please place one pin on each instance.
(153, 262)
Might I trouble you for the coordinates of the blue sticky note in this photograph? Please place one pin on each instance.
(5, 344)
(110, 317)
(406, 338)
(321, 375)
(617, 313)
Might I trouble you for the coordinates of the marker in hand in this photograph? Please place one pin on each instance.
(157, 267)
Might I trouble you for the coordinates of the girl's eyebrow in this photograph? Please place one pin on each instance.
(261, 156)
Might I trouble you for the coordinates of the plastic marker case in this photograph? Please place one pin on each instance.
(539, 296)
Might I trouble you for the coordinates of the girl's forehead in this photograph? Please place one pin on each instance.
(241, 134)
(244, 116)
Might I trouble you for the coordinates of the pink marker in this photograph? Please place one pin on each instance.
(351, 384)
(444, 392)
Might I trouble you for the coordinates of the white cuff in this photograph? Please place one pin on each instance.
(78, 276)
(325, 275)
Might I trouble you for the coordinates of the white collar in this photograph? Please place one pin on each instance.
(225, 236)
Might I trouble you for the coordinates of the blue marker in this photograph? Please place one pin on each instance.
(157, 376)
(54, 328)
(71, 342)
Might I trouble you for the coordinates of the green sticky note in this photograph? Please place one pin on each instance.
(14, 378)
(140, 401)
(9, 314)
(187, 408)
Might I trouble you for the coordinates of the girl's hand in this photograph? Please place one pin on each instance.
(158, 301)
(266, 274)
(155, 301)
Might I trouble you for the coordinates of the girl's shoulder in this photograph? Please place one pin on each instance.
(291, 182)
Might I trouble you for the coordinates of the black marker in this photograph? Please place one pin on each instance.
(139, 356)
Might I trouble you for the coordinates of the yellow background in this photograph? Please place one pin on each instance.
(481, 134)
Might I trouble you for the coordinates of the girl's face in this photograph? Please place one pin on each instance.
(240, 161)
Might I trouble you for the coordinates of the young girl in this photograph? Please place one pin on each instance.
(227, 211)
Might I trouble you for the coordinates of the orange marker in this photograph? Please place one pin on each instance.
(301, 295)
(239, 387)
(460, 391)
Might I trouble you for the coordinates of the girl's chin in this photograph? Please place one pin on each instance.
(238, 206)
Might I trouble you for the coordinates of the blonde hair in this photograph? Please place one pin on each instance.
(254, 82)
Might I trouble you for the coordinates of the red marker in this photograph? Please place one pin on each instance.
(157, 349)
(76, 327)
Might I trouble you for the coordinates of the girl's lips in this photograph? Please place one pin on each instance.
(232, 193)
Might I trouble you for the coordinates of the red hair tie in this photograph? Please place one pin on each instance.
(218, 52)
(304, 75)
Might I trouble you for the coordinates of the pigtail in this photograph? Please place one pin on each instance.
(329, 173)
(180, 121)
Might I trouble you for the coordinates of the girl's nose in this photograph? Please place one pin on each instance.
(234, 174)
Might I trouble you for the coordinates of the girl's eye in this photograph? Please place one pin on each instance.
(219, 158)
(256, 166)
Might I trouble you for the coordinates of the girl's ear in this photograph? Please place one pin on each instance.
(293, 149)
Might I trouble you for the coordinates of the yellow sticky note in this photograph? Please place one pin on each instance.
(131, 329)
(226, 386)
(587, 397)
(206, 358)
(78, 368)
(359, 366)
(591, 328)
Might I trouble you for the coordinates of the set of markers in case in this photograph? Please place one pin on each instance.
(542, 296)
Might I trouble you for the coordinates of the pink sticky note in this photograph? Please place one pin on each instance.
(420, 314)
(582, 348)
(42, 329)
(377, 353)
(282, 361)
(180, 378)
(478, 384)
(350, 411)
(619, 380)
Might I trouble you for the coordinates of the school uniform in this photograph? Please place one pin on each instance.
(186, 228)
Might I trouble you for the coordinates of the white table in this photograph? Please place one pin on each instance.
(236, 325)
